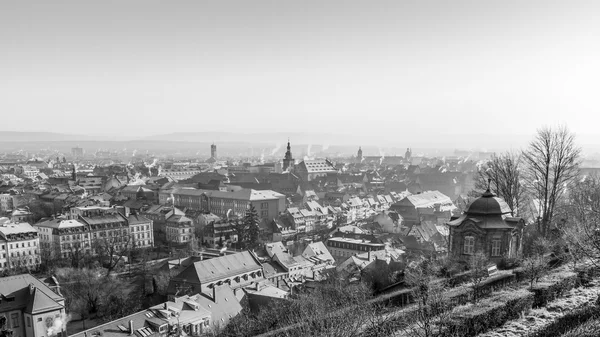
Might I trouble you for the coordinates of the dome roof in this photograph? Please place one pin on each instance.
(488, 204)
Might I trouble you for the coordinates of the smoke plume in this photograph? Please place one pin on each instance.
(58, 324)
(277, 147)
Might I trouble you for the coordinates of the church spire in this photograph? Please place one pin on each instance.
(288, 161)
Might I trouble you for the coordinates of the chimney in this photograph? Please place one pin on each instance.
(130, 327)
(31, 288)
(215, 293)
(166, 305)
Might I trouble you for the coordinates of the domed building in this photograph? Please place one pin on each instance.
(487, 225)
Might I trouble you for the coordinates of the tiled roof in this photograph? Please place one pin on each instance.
(41, 299)
(178, 219)
(39, 302)
(135, 219)
(318, 165)
(243, 194)
(60, 223)
(318, 250)
(214, 269)
(16, 228)
(104, 219)
(429, 199)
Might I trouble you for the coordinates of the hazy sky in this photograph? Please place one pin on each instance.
(382, 68)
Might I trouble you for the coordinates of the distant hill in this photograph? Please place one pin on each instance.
(16, 136)
(255, 138)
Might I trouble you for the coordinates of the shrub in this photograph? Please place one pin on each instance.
(470, 320)
(569, 321)
(493, 283)
(587, 329)
(555, 286)
(447, 267)
(508, 263)
(520, 274)
(458, 279)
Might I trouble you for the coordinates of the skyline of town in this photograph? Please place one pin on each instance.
(287, 168)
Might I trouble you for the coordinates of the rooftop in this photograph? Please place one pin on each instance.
(218, 268)
(357, 241)
(242, 194)
(488, 204)
(60, 223)
(16, 228)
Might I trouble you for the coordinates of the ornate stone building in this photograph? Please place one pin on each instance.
(486, 226)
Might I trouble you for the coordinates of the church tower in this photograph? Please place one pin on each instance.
(408, 154)
(288, 161)
(359, 156)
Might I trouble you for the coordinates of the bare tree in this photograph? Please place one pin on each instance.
(582, 219)
(535, 267)
(478, 264)
(551, 163)
(430, 313)
(111, 250)
(503, 175)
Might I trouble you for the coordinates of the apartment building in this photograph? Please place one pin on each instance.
(19, 243)
(62, 236)
(344, 247)
(179, 229)
(234, 202)
(142, 231)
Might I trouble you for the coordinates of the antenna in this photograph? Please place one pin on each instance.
(489, 183)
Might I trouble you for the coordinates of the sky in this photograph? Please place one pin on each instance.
(383, 70)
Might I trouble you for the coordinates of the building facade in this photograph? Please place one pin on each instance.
(309, 170)
(180, 229)
(61, 237)
(20, 245)
(6, 202)
(488, 227)
(341, 247)
(219, 232)
(268, 204)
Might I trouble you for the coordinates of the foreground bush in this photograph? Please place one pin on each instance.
(553, 286)
(494, 311)
(591, 328)
(570, 321)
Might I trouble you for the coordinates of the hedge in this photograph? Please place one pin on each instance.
(587, 273)
(494, 283)
(587, 329)
(458, 279)
(570, 321)
(489, 313)
(554, 286)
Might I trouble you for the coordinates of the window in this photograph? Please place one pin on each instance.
(264, 213)
(39, 319)
(496, 247)
(469, 245)
(28, 322)
(14, 320)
